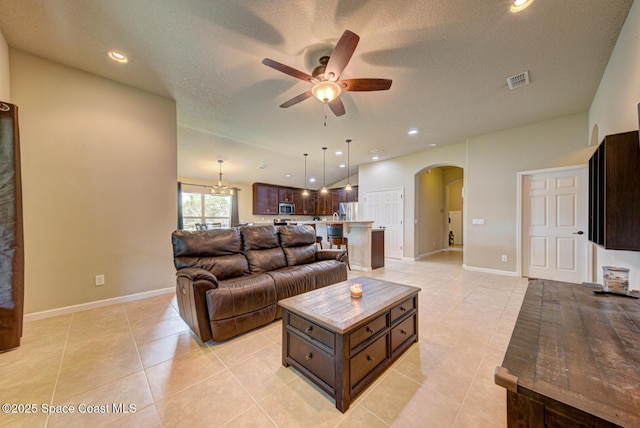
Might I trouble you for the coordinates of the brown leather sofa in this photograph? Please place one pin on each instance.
(229, 281)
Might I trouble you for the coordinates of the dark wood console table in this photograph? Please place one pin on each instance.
(573, 359)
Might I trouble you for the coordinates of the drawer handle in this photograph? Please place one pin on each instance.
(369, 330)
(403, 309)
(308, 356)
(309, 329)
(370, 358)
(403, 332)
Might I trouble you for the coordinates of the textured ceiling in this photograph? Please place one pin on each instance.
(448, 60)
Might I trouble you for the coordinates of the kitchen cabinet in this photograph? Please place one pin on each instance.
(337, 196)
(286, 194)
(323, 204)
(305, 205)
(265, 199)
(377, 248)
(614, 193)
(352, 196)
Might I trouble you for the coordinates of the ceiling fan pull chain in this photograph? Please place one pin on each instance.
(325, 114)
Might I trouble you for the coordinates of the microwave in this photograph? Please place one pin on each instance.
(286, 208)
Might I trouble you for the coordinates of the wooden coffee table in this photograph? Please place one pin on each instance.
(342, 344)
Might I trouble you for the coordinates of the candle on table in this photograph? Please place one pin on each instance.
(356, 290)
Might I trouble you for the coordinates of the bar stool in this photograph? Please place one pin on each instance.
(318, 238)
(335, 236)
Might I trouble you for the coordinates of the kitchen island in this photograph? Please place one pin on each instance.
(361, 244)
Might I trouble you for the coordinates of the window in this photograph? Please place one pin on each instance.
(200, 207)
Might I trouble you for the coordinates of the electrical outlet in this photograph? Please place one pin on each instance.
(99, 279)
(505, 258)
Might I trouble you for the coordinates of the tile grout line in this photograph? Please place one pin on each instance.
(144, 371)
(64, 351)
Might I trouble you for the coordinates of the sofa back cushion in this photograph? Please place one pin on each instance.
(299, 244)
(262, 248)
(219, 251)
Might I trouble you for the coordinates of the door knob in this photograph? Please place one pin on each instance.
(580, 232)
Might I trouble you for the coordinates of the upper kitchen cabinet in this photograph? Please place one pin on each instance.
(286, 194)
(614, 193)
(305, 205)
(265, 199)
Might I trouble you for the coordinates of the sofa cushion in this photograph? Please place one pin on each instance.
(262, 248)
(293, 280)
(328, 272)
(218, 242)
(218, 251)
(259, 237)
(261, 261)
(299, 244)
(239, 296)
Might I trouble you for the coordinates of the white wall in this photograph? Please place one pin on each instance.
(491, 163)
(614, 110)
(99, 185)
(431, 211)
(5, 92)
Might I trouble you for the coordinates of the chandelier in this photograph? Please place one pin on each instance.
(221, 187)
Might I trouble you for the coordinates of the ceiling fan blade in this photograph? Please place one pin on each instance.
(341, 55)
(297, 99)
(337, 107)
(288, 70)
(365, 84)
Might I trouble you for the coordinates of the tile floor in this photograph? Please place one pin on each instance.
(142, 354)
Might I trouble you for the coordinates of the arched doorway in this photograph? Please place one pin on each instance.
(439, 210)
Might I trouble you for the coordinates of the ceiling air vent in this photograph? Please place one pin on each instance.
(263, 165)
(520, 79)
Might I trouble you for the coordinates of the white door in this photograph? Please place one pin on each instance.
(386, 209)
(455, 226)
(555, 242)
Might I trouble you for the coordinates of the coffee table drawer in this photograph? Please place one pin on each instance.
(403, 308)
(368, 359)
(402, 332)
(367, 331)
(313, 331)
(313, 359)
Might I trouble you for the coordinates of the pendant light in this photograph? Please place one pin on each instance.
(221, 187)
(305, 192)
(324, 169)
(348, 186)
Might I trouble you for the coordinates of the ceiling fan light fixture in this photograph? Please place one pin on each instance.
(326, 91)
(519, 5)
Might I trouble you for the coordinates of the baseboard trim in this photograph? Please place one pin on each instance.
(423, 255)
(493, 271)
(96, 304)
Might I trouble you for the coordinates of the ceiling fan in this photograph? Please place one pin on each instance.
(325, 78)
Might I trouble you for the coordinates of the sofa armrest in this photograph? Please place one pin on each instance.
(340, 255)
(192, 285)
(195, 274)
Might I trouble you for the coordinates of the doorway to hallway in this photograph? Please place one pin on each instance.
(439, 210)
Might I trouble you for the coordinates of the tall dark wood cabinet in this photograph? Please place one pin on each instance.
(11, 232)
(265, 199)
(614, 193)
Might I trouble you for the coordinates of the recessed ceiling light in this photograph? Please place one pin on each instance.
(520, 5)
(432, 145)
(118, 56)
(342, 165)
(375, 157)
(412, 131)
(338, 152)
(312, 179)
(288, 175)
